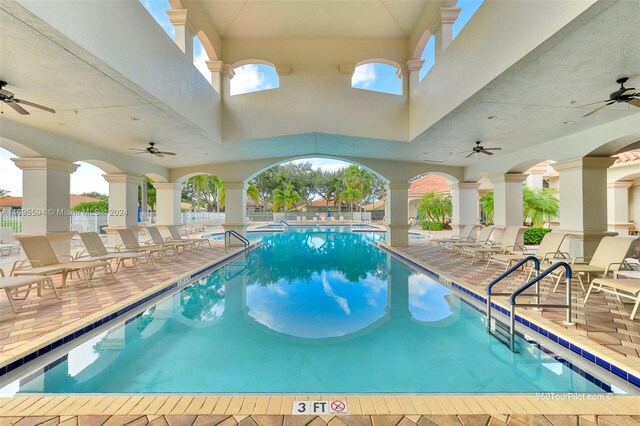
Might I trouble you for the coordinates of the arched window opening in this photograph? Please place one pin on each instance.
(157, 9)
(467, 9)
(254, 78)
(377, 77)
(200, 58)
(10, 177)
(428, 56)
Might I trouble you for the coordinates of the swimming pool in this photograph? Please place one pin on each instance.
(317, 311)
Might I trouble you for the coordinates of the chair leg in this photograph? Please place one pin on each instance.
(635, 308)
(13, 306)
(586, 297)
(51, 284)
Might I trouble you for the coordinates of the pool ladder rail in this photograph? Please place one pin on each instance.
(227, 240)
(506, 334)
(285, 223)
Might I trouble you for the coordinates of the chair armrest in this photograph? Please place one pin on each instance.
(82, 253)
(584, 259)
(610, 267)
(68, 256)
(1, 273)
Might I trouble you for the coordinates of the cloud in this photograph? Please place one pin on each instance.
(251, 78)
(341, 301)
(364, 76)
(10, 175)
(200, 62)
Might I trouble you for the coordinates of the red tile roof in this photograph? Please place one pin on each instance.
(17, 201)
(428, 183)
(626, 157)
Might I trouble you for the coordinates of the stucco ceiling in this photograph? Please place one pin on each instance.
(314, 18)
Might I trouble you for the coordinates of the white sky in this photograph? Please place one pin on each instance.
(89, 178)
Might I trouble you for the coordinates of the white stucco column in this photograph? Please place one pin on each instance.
(227, 75)
(123, 204)
(583, 202)
(217, 70)
(444, 33)
(45, 199)
(618, 207)
(465, 205)
(507, 199)
(184, 31)
(235, 207)
(398, 214)
(413, 68)
(634, 203)
(168, 200)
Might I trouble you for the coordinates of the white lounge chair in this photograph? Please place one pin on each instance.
(468, 233)
(609, 256)
(547, 251)
(627, 288)
(97, 251)
(11, 285)
(483, 240)
(8, 244)
(176, 236)
(508, 244)
(159, 241)
(42, 260)
(130, 241)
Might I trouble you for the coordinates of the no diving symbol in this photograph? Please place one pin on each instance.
(338, 406)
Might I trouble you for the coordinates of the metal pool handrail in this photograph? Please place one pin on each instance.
(285, 223)
(232, 233)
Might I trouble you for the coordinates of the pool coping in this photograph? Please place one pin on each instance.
(596, 355)
(53, 340)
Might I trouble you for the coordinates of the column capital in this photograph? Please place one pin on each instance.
(234, 185)
(229, 72)
(122, 178)
(584, 163)
(45, 164)
(215, 66)
(448, 15)
(414, 65)
(347, 68)
(180, 17)
(465, 185)
(620, 184)
(283, 69)
(508, 177)
(168, 185)
(398, 185)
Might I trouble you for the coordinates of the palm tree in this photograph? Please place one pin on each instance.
(435, 206)
(200, 187)
(540, 205)
(285, 197)
(358, 178)
(350, 195)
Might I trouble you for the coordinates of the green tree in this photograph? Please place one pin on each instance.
(94, 194)
(540, 205)
(101, 206)
(435, 207)
(151, 193)
(4, 192)
(358, 178)
(351, 195)
(285, 197)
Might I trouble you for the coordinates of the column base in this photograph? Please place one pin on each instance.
(240, 228)
(60, 240)
(621, 228)
(398, 234)
(113, 237)
(583, 243)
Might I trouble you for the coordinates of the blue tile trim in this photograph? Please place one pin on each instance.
(66, 339)
(583, 353)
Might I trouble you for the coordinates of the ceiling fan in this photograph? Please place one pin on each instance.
(479, 149)
(623, 94)
(151, 149)
(8, 98)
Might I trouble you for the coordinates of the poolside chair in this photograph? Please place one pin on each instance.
(11, 285)
(158, 240)
(176, 236)
(508, 244)
(44, 261)
(8, 244)
(548, 250)
(609, 256)
(483, 240)
(130, 241)
(468, 233)
(628, 288)
(97, 251)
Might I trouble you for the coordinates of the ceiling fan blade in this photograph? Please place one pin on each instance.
(158, 154)
(628, 92)
(17, 108)
(141, 152)
(595, 110)
(493, 149)
(484, 151)
(166, 153)
(44, 108)
(593, 103)
(634, 102)
(138, 149)
(473, 152)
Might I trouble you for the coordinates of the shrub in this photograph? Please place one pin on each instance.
(434, 226)
(101, 206)
(534, 235)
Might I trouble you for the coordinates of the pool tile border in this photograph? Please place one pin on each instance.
(5, 369)
(583, 353)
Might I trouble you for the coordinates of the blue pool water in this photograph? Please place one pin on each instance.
(308, 311)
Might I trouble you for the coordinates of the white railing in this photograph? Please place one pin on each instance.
(294, 217)
(11, 219)
(88, 222)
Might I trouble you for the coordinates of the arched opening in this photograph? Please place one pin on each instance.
(10, 195)
(89, 196)
(320, 188)
(378, 75)
(623, 193)
(430, 203)
(253, 76)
